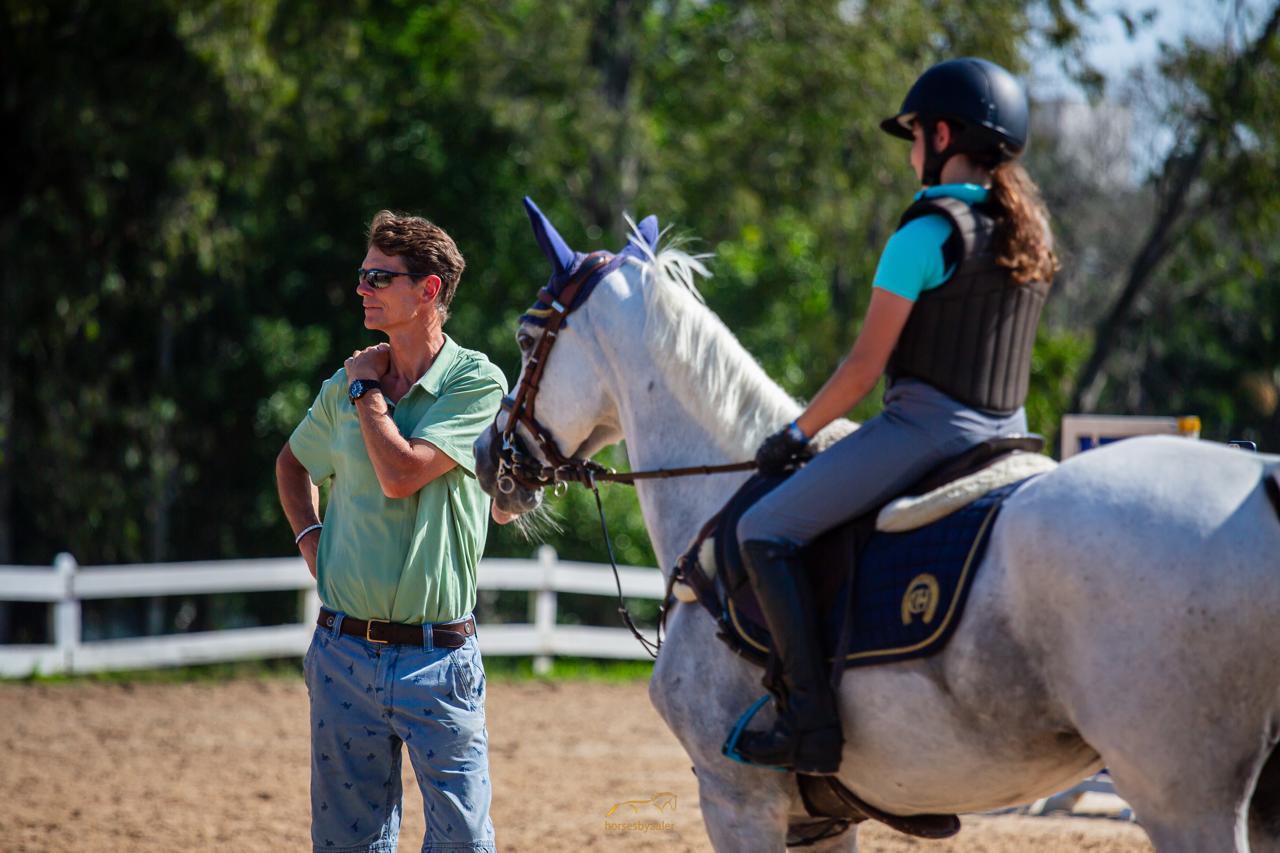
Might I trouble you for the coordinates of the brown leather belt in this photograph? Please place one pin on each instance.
(450, 636)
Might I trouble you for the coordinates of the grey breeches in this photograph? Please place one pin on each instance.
(919, 428)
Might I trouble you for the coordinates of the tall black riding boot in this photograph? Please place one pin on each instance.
(806, 737)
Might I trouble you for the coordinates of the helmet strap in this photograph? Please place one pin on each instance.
(934, 161)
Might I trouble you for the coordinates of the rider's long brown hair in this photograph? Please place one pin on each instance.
(1023, 242)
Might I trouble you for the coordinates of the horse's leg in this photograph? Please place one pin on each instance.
(749, 810)
(1264, 807)
(742, 817)
(1186, 813)
(699, 688)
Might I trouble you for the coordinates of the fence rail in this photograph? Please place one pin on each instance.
(66, 584)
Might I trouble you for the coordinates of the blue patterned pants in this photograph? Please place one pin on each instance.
(367, 701)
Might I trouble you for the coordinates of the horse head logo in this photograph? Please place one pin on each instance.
(661, 801)
(920, 599)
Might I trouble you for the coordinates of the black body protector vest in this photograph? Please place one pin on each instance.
(971, 338)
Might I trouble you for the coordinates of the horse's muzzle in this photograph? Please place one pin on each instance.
(509, 495)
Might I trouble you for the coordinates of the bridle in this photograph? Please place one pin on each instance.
(517, 467)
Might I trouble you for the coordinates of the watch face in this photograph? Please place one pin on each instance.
(357, 389)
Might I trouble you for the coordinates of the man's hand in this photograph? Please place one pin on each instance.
(369, 363)
(310, 547)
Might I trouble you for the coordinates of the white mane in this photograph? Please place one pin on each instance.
(720, 385)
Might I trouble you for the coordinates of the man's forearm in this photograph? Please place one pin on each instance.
(402, 467)
(299, 497)
(388, 451)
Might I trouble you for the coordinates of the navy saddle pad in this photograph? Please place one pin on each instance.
(887, 596)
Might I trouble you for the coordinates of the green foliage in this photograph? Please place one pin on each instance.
(1058, 357)
(216, 673)
(568, 669)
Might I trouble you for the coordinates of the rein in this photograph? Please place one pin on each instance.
(516, 466)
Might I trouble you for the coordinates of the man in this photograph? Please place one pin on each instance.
(394, 660)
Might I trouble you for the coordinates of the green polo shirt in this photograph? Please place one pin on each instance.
(410, 560)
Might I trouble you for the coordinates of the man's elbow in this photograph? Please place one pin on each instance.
(400, 486)
(397, 489)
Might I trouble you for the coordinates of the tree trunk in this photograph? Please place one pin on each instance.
(163, 461)
(8, 347)
(615, 170)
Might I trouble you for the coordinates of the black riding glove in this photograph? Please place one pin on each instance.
(786, 449)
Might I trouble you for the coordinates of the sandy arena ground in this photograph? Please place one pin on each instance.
(97, 767)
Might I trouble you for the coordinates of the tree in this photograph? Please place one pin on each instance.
(1219, 170)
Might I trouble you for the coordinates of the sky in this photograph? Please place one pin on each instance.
(1116, 55)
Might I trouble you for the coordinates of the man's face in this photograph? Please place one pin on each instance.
(404, 302)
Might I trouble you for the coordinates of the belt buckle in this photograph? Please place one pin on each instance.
(368, 626)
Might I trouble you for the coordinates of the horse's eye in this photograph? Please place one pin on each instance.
(524, 341)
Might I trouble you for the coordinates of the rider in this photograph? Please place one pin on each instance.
(952, 319)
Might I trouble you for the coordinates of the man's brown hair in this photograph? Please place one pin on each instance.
(425, 247)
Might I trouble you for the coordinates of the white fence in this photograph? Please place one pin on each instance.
(65, 585)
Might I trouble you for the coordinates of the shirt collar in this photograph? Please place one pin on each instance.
(433, 380)
(968, 193)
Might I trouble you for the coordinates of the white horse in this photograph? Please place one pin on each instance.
(1124, 615)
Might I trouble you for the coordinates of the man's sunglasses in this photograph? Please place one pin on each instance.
(378, 279)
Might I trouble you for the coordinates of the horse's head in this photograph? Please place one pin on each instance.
(561, 411)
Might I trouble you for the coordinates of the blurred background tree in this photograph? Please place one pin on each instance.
(186, 186)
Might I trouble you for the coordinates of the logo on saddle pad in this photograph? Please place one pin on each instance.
(921, 598)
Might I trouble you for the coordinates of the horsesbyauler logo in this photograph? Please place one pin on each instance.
(629, 814)
(921, 599)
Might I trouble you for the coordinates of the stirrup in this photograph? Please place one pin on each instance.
(730, 748)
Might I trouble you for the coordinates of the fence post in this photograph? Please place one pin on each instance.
(544, 619)
(66, 616)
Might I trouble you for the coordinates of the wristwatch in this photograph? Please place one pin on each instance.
(360, 387)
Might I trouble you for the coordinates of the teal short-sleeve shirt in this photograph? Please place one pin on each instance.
(911, 262)
(409, 560)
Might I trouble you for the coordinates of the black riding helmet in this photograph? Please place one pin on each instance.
(985, 106)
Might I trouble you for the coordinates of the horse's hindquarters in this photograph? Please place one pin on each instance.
(1145, 588)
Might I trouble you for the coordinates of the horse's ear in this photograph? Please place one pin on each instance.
(648, 229)
(553, 245)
